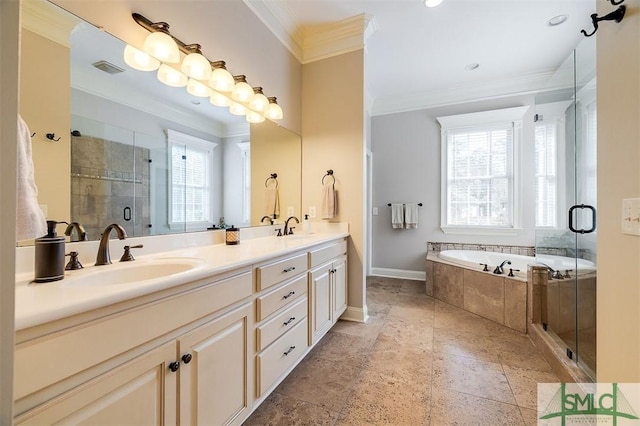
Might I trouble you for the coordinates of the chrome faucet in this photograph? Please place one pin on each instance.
(82, 234)
(499, 269)
(268, 218)
(104, 258)
(287, 230)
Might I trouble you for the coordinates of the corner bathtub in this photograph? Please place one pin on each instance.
(476, 259)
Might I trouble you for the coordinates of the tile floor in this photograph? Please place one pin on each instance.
(417, 361)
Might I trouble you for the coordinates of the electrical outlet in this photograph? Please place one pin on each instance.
(290, 211)
(631, 216)
(312, 212)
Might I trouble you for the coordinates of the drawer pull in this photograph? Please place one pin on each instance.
(287, 322)
(289, 269)
(291, 293)
(289, 350)
(186, 358)
(174, 366)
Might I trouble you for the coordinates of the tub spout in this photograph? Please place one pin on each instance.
(499, 269)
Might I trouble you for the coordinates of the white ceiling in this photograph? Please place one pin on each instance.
(417, 56)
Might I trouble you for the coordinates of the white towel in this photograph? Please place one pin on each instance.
(329, 202)
(272, 202)
(397, 216)
(30, 221)
(411, 215)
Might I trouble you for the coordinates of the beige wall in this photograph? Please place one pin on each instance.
(618, 306)
(45, 102)
(9, 54)
(333, 138)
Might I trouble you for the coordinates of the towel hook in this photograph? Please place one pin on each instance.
(33, 134)
(52, 137)
(273, 176)
(329, 173)
(616, 16)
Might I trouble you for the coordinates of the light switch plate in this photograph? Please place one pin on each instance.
(375, 211)
(631, 216)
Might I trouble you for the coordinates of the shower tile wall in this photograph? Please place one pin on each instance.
(107, 177)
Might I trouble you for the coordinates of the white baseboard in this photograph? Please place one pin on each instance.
(355, 314)
(399, 273)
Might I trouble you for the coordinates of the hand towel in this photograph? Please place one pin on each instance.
(397, 216)
(411, 215)
(272, 203)
(30, 220)
(329, 201)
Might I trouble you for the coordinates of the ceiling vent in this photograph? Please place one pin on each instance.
(107, 67)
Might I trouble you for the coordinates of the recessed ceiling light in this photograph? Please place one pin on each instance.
(472, 66)
(432, 3)
(195, 102)
(557, 20)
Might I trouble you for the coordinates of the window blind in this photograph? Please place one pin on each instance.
(546, 148)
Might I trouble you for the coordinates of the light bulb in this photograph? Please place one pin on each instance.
(196, 66)
(221, 80)
(273, 110)
(139, 60)
(258, 101)
(171, 76)
(237, 109)
(162, 47)
(198, 89)
(218, 99)
(432, 3)
(242, 92)
(254, 117)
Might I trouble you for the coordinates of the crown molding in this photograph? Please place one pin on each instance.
(337, 38)
(48, 20)
(522, 85)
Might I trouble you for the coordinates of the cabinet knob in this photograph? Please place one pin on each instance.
(289, 350)
(174, 366)
(186, 358)
(291, 293)
(287, 322)
(289, 269)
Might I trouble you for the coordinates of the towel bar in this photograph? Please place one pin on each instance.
(389, 204)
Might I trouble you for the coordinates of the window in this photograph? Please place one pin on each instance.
(546, 149)
(479, 170)
(245, 154)
(191, 161)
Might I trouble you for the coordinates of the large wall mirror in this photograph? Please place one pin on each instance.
(127, 149)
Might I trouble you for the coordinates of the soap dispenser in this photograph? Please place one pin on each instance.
(49, 255)
(306, 225)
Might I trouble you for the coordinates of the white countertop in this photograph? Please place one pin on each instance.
(40, 303)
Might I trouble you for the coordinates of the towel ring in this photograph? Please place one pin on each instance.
(329, 173)
(273, 176)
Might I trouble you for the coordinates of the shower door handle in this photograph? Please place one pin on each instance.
(593, 219)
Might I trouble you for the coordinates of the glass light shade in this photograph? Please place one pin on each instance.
(242, 92)
(162, 47)
(196, 66)
(432, 3)
(237, 109)
(254, 117)
(221, 80)
(171, 76)
(258, 102)
(139, 60)
(273, 111)
(198, 89)
(218, 99)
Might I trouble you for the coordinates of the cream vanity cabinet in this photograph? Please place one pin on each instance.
(328, 288)
(181, 359)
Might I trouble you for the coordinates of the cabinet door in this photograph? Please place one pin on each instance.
(214, 382)
(139, 392)
(320, 289)
(339, 284)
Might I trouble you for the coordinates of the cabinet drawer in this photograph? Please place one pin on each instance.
(269, 275)
(272, 329)
(274, 300)
(272, 362)
(317, 257)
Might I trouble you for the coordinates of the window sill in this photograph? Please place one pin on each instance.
(466, 230)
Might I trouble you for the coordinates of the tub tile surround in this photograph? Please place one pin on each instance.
(520, 250)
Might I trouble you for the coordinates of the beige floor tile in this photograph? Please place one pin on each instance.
(379, 399)
(450, 317)
(323, 383)
(389, 285)
(524, 384)
(422, 302)
(463, 343)
(530, 417)
(403, 362)
(413, 287)
(472, 376)
(280, 409)
(519, 351)
(368, 330)
(456, 408)
(336, 346)
(409, 333)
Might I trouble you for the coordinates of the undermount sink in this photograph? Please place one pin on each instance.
(121, 273)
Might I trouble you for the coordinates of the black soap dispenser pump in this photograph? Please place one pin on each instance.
(49, 255)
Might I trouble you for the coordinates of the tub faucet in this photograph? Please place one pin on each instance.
(104, 258)
(268, 218)
(82, 234)
(287, 230)
(499, 269)
(552, 272)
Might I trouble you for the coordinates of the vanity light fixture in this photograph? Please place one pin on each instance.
(201, 77)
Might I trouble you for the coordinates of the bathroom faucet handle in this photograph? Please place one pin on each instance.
(74, 262)
(127, 256)
(566, 273)
(279, 234)
(291, 228)
(511, 272)
(486, 267)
